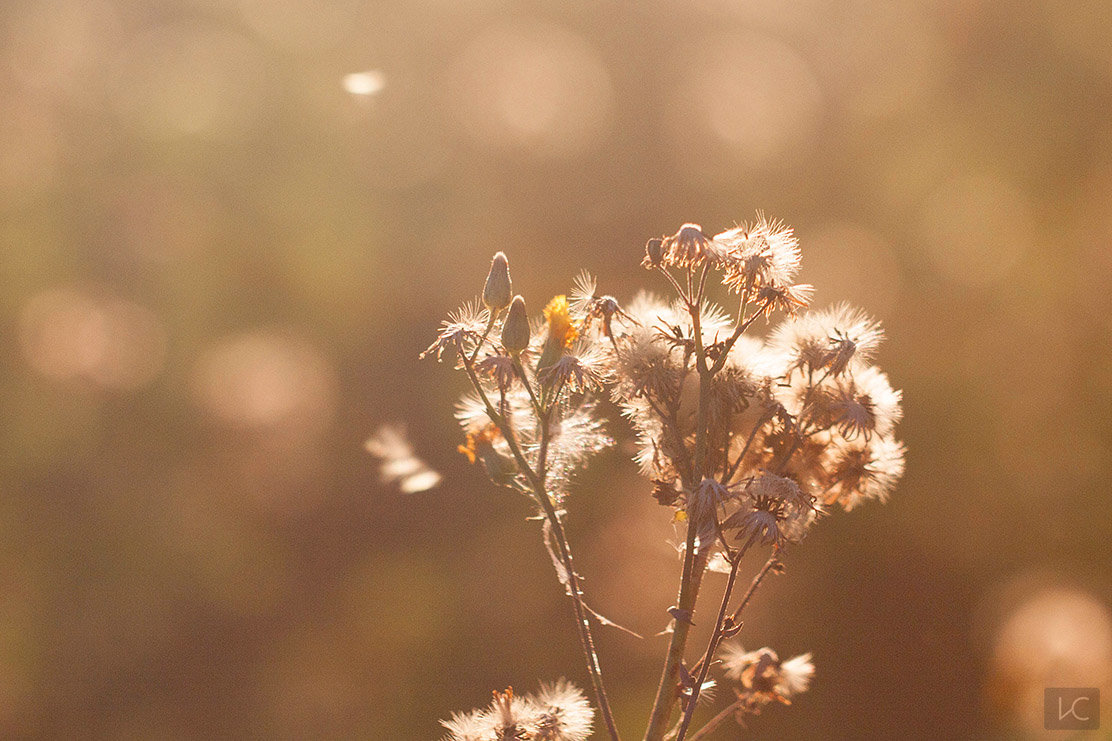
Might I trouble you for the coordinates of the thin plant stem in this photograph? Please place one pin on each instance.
(702, 666)
(736, 615)
(486, 332)
(769, 565)
(749, 441)
(693, 564)
(528, 386)
(675, 284)
(540, 493)
(715, 637)
(716, 720)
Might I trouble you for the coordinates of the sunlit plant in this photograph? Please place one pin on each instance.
(746, 441)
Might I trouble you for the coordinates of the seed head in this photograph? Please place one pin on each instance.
(498, 289)
(688, 246)
(515, 332)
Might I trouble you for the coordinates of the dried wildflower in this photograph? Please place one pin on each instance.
(760, 254)
(864, 402)
(758, 521)
(515, 331)
(863, 470)
(462, 330)
(647, 367)
(477, 725)
(731, 389)
(564, 713)
(741, 438)
(764, 676)
(558, 712)
(498, 289)
(689, 246)
(828, 340)
(499, 368)
(586, 304)
(786, 298)
(771, 486)
(585, 368)
(702, 507)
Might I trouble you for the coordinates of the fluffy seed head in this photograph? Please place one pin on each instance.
(564, 713)
(828, 339)
(688, 246)
(764, 675)
(760, 254)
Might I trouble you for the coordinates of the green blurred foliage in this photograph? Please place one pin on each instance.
(219, 267)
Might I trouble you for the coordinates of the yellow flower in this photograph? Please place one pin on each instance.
(561, 331)
(559, 321)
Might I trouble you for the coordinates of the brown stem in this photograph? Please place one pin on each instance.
(693, 564)
(540, 493)
(715, 637)
(736, 615)
(486, 332)
(716, 720)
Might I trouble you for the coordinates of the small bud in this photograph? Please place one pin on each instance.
(498, 289)
(515, 332)
(654, 253)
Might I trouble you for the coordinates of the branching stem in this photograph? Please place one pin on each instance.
(540, 493)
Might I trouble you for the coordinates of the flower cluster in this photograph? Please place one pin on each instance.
(747, 439)
(790, 425)
(762, 678)
(558, 712)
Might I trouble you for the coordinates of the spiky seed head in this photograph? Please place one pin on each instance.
(515, 332)
(498, 290)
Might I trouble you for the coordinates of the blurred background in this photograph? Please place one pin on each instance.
(228, 227)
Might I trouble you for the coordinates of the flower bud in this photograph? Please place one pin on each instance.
(515, 332)
(654, 253)
(498, 290)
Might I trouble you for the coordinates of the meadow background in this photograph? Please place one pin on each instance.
(219, 265)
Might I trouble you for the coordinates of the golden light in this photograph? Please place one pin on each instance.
(364, 84)
(976, 228)
(188, 79)
(1057, 636)
(265, 379)
(67, 334)
(754, 95)
(531, 88)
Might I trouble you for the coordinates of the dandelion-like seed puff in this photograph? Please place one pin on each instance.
(748, 441)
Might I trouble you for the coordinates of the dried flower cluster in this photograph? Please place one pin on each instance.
(763, 678)
(747, 440)
(558, 712)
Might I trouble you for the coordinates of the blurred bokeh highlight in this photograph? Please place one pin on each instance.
(228, 227)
